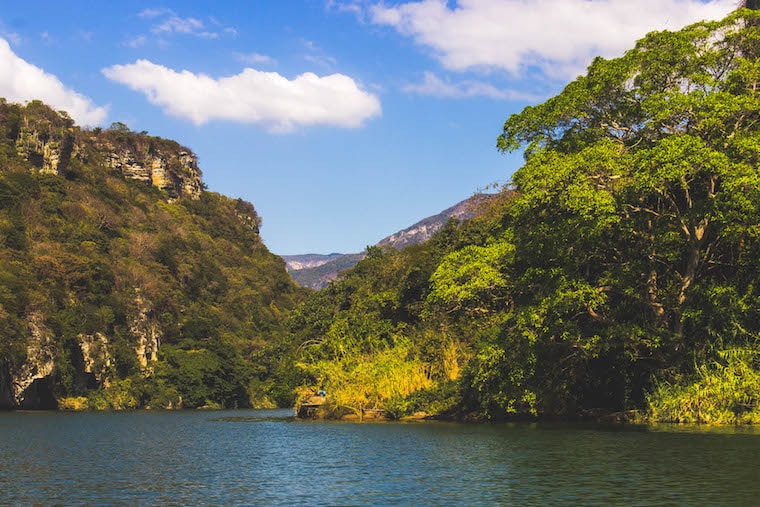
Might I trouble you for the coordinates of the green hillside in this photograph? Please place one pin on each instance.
(123, 282)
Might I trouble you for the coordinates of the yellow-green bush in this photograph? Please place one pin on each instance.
(725, 392)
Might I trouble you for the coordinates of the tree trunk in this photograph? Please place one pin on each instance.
(687, 280)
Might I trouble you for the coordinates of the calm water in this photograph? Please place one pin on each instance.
(264, 458)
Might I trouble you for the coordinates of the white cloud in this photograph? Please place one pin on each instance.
(187, 26)
(433, 85)
(315, 55)
(254, 58)
(154, 12)
(21, 81)
(167, 22)
(253, 96)
(136, 42)
(558, 36)
(13, 37)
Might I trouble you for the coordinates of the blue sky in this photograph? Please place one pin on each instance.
(342, 121)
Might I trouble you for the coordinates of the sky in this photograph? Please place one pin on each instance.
(342, 121)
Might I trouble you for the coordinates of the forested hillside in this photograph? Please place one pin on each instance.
(123, 283)
(619, 270)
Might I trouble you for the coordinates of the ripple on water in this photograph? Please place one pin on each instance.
(265, 458)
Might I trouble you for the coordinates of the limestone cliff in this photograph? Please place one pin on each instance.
(147, 331)
(47, 151)
(31, 385)
(124, 283)
(44, 138)
(49, 141)
(96, 356)
(175, 171)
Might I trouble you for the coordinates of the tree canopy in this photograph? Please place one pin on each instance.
(625, 251)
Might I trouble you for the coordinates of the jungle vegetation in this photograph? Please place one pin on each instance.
(618, 271)
(90, 253)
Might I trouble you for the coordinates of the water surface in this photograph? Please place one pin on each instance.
(266, 458)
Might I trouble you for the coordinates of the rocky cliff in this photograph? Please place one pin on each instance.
(49, 142)
(123, 282)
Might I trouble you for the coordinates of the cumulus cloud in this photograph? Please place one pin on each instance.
(558, 36)
(21, 81)
(253, 96)
(435, 86)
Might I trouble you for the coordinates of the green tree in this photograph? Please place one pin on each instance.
(640, 194)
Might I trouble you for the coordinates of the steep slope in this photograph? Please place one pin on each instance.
(316, 271)
(123, 283)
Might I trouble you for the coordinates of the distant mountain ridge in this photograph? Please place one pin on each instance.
(308, 261)
(425, 228)
(316, 270)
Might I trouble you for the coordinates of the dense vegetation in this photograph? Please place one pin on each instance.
(92, 265)
(618, 271)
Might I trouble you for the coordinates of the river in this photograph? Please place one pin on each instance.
(265, 458)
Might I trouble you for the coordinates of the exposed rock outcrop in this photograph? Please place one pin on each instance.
(31, 385)
(176, 173)
(97, 360)
(147, 331)
(49, 141)
(46, 146)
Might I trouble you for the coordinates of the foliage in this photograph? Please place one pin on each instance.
(724, 392)
(623, 251)
(91, 254)
(365, 382)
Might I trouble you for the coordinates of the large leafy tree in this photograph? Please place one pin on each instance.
(635, 229)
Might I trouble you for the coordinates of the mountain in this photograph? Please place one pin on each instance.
(124, 283)
(425, 228)
(316, 271)
(308, 261)
(322, 270)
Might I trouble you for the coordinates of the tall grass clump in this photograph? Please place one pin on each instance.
(724, 392)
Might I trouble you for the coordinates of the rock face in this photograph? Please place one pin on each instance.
(48, 151)
(147, 331)
(95, 355)
(49, 142)
(425, 228)
(174, 172)
(307, 261)
(31, 385)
